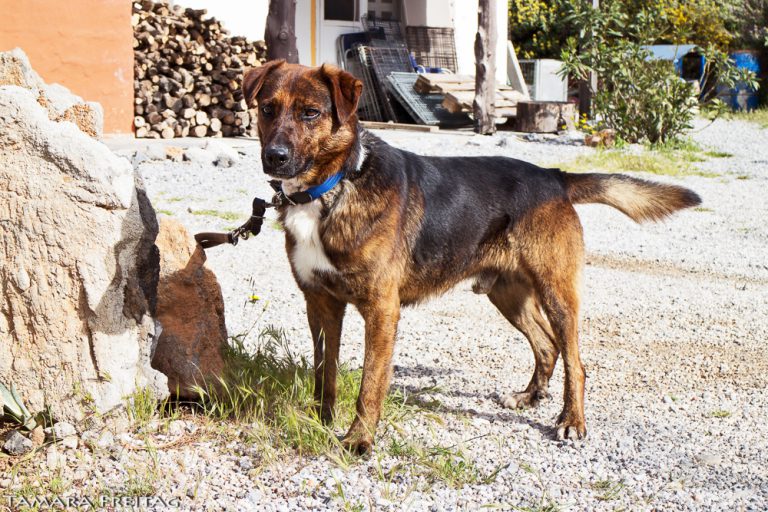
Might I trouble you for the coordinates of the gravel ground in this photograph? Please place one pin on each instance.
(674, 324)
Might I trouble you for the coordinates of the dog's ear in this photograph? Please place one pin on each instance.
(254, 79)
(345, 91)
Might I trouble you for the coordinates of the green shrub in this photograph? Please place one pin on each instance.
(642, 99)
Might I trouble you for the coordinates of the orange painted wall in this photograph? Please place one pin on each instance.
(85, 45)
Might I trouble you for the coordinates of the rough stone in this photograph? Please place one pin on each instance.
(17, 444)
(174, 153)
(198, 156)
(190, 309)
(60, 430)
(61, 104)
(79, 266)
(223, 155)
(604, 138)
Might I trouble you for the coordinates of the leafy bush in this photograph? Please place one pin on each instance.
(541, 28)
(642, 99)
(538, 28)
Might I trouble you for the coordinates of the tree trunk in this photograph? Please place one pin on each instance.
(588, 89)
(485, 68)
(280, 34)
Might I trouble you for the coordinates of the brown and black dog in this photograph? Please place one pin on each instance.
(399, 228)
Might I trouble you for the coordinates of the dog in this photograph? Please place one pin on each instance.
(395, 228)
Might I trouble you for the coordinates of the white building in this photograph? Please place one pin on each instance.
(320, 22)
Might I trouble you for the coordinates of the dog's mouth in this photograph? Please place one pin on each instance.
(286, 172)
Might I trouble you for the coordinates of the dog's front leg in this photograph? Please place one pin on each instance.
(381, 316)
(326, 315)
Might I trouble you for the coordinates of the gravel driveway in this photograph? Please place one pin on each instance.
(674, 330)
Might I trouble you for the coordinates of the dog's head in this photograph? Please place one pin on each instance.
(307, 118)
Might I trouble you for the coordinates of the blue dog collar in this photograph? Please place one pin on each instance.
(305, 196)
(319, 190)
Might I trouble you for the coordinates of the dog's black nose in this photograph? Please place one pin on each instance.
(277, 156)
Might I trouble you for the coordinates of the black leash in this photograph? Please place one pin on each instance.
(253, 225)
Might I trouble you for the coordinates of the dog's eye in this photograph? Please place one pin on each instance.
(311, 113)
(267, 110)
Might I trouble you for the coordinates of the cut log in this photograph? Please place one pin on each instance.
(185, 66)
(544, 116)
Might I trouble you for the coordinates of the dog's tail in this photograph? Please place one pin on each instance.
(640, 200)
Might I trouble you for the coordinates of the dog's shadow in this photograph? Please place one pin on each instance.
(508, 416)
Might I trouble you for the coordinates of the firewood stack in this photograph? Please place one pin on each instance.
(188, 73)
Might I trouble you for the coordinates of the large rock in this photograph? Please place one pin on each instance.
(190, 308)
(61, 104)
(79, 266)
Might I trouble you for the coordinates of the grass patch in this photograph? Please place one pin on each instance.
(140, 484)
(142, 406)
(720, 413)
(703, 209)
(165, 212)
(176, 199)
(269, 392)
(661, 160)
(718, 154)
(273, 389)
(759, 116)
(230, 216)
(742, 177)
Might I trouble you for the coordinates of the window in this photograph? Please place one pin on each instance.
(384, 9)
(341, 10)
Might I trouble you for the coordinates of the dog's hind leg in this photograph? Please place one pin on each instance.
(553, 257)
(515, 298)
(325, 315)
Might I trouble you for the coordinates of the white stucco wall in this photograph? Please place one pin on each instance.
(248, 17)
(241, 17)
(465, 29)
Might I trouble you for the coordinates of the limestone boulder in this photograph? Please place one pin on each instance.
(190, 308)
(79, 266)
(61, 104)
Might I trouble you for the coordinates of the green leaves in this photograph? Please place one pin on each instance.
(641, 98)
(14, 408)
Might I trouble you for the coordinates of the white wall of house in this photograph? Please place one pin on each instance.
(241, 17)
(465, 29)
(248, 18)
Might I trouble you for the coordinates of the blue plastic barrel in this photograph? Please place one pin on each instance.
(742, 97)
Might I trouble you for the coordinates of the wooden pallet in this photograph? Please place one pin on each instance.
(459, 92)
(461, 101)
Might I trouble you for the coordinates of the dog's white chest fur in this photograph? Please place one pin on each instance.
(308, 255)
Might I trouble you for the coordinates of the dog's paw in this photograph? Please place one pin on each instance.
(571, 429)
(523, 399)
(357, 445)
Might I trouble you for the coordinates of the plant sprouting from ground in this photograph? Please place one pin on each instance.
(13, 408)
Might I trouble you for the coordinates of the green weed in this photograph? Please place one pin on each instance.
(660, 160)
(610, 489)
(142, 406)
(720, 413)
(164, 212)
(230, 216)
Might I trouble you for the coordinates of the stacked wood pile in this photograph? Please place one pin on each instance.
(188, 73)
(459, 93)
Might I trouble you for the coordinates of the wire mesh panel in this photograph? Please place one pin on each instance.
(424, 108)
(357, 64)
(391, 29)
(384, 61)
(433, 46)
